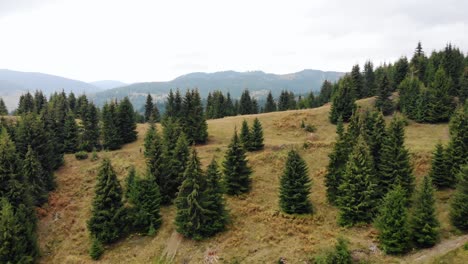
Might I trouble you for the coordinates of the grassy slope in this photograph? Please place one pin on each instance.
(258, 232)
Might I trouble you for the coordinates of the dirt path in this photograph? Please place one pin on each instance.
(427, 255)
(172, 246)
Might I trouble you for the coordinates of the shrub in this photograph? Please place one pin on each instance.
(310, 128)
(96, 249)
(340, 255)
(81, 155)
(94, 155)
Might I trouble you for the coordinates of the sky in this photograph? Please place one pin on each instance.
(155, 40)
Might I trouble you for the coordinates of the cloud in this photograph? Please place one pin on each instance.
(13, 6)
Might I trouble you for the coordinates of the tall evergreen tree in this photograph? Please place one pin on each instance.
(245, 136)
(357, 81)
(369, 87)
(90, 126)
(401, 70)
(193, 120)
(256, 136)
(270, 105)
(147, 201)
(175, 163)
(72, 102)
(409, 90)
(383, 102)
(440, 106)
(457, 150)
(154, 157)
(130, 185)
(343, 101)
(358, 189)
(418, 63)
(105, 223)
(127, 122)
(149, 140)
(392, 223)
(463, 93)
(439, 174)
(459, 204)
(191, 204)
(111, 137)
(236, 171)
(325, 93)
(424, 223)
(149, 108)
(26, 104)
(216, 206)
(71, 133)
(245, 104)
(295, 186)
(3, 108)
(230, 111)
(33, 174)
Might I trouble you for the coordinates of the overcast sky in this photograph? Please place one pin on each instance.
(151, 40)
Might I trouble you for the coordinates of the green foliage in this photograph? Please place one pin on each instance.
(236, 171)
(81, 155)
(130, 185)
(94, 155)
(96, 250)
(111, 137)
(401, 70)
(310, 128)
(440, 106)
(217, 214)
(90, 126)
(409, 90)
(357, 190)
(127, 122)
(106, 223)
(441, 177)
(424, 224)
(193, 120)
(457, 150)
(325, 93)
(459, 204)
(341, 254)
(256, 136)
(154, 157)
(3, 108)
(245, 136)
(245, 103)
(26, 104)
(383, 102)
(33, 174)
(343, 101)
(463, 92)
(71, 133)
(270, 105)
(149, 109)
(147, 200)
(357, 81)
(175, 165)
(392, 223)
(418, 63)
(286, 101)
(295, 186)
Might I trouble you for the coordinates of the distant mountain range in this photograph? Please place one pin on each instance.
(15, 83)
(258, 82)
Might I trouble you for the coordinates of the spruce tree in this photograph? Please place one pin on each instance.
(154, 158)
(130, 184)
(418, 63)
(71, 133)
(439, 174)
(357, 201)
(392, 223)
(175, 165)
(72, 102)
(256, 136)
(191, 204)
(236, 171)
(270, 105)
(409, 90)
(383, 102)
(245, 136)
(357, 81)
(147, 205)
(395, 168)
(325, 93)
(440, 106)
(217, 216)
(343, 101)
(149, 108)
(424, 223)
(96, 250)
(111, 138)
(149, 139)
(457, 150)
(369, 87)
(463, 94)
(459, 204)
(127, 122)
(295, 186)
(245, 104)
(33, 173)
(90, 126)
(3, 108)
(401, 70)
(105, 223)
(26, 104)
(193, 120)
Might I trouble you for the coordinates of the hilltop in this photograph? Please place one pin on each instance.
(258, 232)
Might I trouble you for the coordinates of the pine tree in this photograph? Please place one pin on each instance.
(457, 150)
(343, 101)
(82, 105)
(383, 102)
(369, 87)
(33, 174)
(127, 122)
(236, 171)
(392, 223)
(230, 111)
(90, 125)
(154, 158)
(439, 174)
(459, 204)
(217, 217)
(149, 139)
(245, 136)
(375, 136)
(245, 104)
(71, 134)
(325, 93)
(424, 224)
(357, 201)
(175, 164)
(3, 108)
(130, 184)
(105, 223)
(111, 138)
(270, 105)
(193, 120)
(409, 90)
(256, 136)
(401, 70)
(147, 205)
(395, 168)
(96, 250)
(191, 203)
(149, 108)
(357, 81)
(295, 186)
(72, 102)
(26, 104)
(463, 94)
(440, 106)
(418, 63)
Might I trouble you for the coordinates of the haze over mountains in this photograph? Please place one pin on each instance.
(15, 83)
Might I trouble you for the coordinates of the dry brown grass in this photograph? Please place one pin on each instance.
(258, 232)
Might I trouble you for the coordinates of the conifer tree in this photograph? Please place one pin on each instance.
(418, 63)
(127, 122)
(149, 108)
(236, 171)
(383, 102)
(395, 168)
(369, 87)
(217, 217)
(90, 125)
(325, 93)
(81, 106)
(154, 158)
(175, 165)
(105, 223)
(295, 186)
(392, 223)
(26, 104)
(270, 105)
(424, 224)
(147, 202)
(191, 204)
(457, 150)
(409, 91)
(149, 139)
(130, 184)
(440, 106)
(401, 70)
(343, 101)
(96, 250)
(256, 136)
(375, 136)
(459, 204)
(357, 201)
(3, 108)
(230, 111)
(71, 133)
(72, 102)
(439, 174)
(193, 120)
(245, 136)
(463, 94)
(245, 104)
(33, 174)
(357, 81)
(111, 138)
